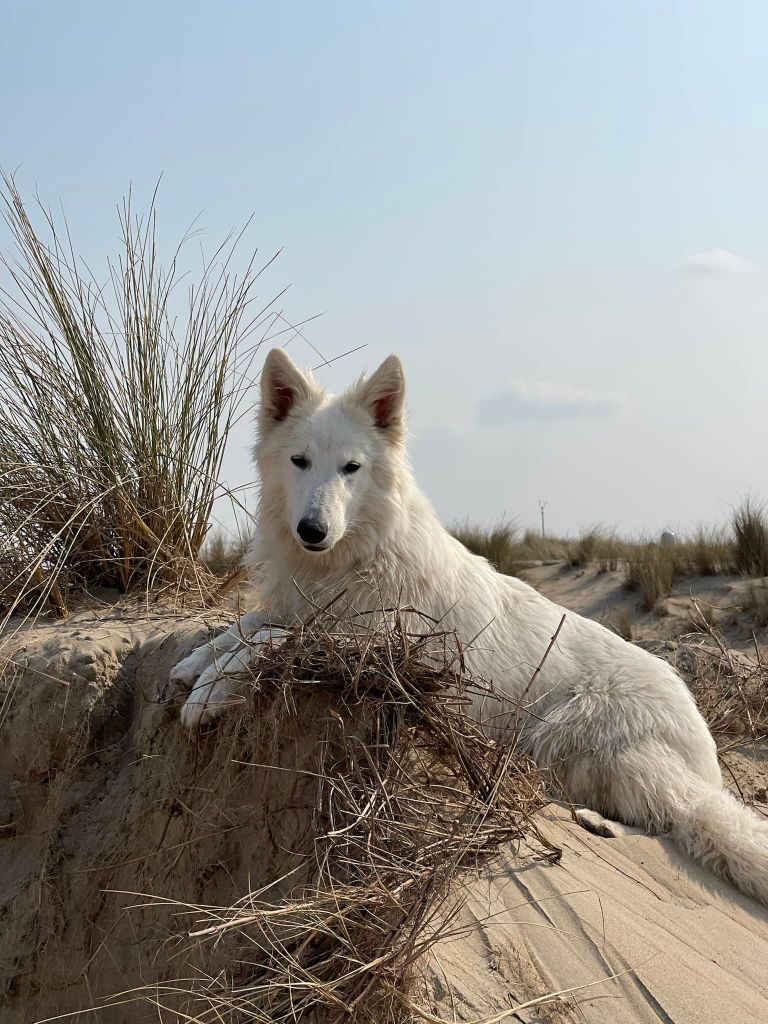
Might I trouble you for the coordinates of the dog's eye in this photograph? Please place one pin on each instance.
(301, 461)
(351, 467)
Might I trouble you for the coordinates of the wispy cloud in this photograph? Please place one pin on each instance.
(714, 263)
(542, 401)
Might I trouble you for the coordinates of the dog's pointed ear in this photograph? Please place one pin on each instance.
(383, 395)
(283, 386)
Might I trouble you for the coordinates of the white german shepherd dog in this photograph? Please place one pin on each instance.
(339, 509)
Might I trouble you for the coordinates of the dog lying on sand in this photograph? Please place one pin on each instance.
(340, 510)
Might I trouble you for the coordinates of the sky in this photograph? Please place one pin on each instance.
(556, 214)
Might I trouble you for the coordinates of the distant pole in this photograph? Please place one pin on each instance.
(542, 506)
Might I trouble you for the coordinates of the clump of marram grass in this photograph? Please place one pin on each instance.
(708, 553)
(505, 548)
(115, 405)
(224, 553)
(534, 546)
(413, 795)
(500, 544)
(750, 528)
(585, 549)
(650, 569)
(597, 544)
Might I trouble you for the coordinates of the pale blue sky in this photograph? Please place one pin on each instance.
(556, 213)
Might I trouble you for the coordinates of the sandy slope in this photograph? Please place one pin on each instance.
(109, 810)
(698, 950)
(694, 949)
(603, 596)
(101, 793)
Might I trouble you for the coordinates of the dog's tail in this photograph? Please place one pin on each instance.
(709, 823)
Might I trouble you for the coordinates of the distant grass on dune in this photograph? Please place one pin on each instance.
(649, 566)
(506, 547)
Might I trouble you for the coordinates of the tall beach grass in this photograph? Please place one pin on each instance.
(116, 400)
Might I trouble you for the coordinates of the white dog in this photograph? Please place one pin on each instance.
(339, 509)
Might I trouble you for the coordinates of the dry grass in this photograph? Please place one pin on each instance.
(223, 552)
(597, 544)
(505, 547)
(115, 405)
(648, 566)
(750, 527)
(621, 623)
(731, 690)
(499, 544)
(421, 797)
(650, 569)
(653, 569)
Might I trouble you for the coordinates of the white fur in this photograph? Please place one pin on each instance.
(618, 725)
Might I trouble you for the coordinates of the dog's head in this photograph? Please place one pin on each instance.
(327, 462)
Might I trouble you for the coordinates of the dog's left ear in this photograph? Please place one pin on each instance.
(383, 395)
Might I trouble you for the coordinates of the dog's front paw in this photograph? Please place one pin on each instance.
(209, 697)
(192, 715)
(188, 669)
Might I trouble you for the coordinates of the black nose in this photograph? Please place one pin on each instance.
(311, 533)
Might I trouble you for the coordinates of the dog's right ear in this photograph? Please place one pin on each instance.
(283, 386)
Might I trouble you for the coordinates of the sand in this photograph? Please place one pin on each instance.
(693, 948)
(102, 797)
(109, 807)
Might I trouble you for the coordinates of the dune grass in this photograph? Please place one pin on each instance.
(649, 567)
(506, 547)
(223, 552)
(750, 528)
(499, 544)
(116, 400)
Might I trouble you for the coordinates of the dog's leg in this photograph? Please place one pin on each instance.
(600, 826)
(203, 657)
(219, 685)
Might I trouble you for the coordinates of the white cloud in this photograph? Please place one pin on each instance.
(543, 401)
(713, 263)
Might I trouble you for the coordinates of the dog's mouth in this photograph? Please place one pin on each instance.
(316, 547)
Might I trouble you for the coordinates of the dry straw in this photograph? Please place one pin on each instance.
(404, 806)
(731, 689)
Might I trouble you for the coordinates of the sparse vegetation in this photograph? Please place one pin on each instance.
(750, 528)
(621, 623)
(597, 544)
(703, 617)
(730, 690)
(584, 550)
(708, 553)
(499, 544)
(650, 569)
(505, 549)
(648, 566)
(115, 406)
(223, 553)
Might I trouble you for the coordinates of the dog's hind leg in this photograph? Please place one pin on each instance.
(678, 793)
(605, 827)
